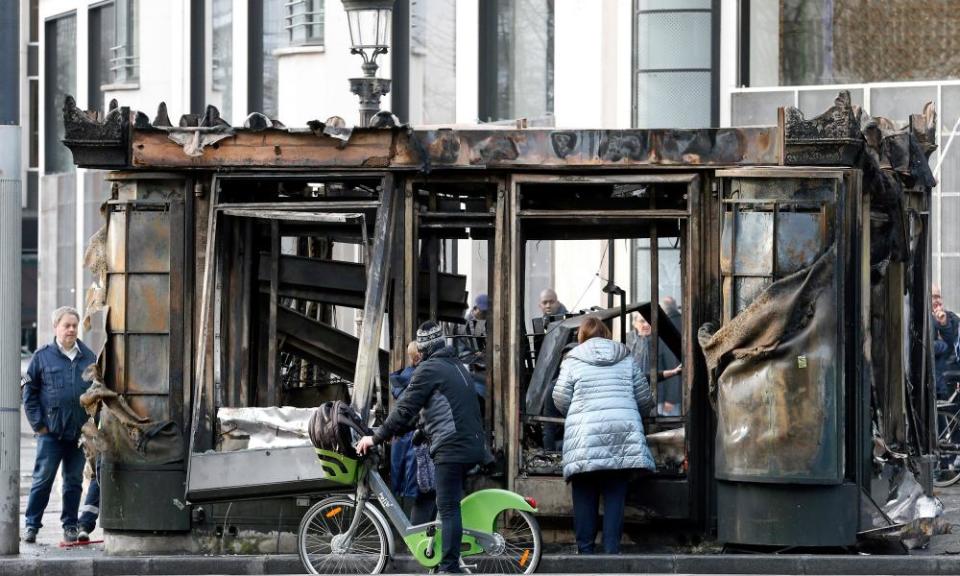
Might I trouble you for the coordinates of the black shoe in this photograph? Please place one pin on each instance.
(30, 535)
(70, 534)
(83, 535)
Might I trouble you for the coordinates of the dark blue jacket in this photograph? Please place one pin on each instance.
(403, 459)
(52, 389)
(444, 391)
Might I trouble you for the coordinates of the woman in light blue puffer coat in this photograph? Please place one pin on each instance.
(602, 392)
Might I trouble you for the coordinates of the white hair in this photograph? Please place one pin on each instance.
(62, 311)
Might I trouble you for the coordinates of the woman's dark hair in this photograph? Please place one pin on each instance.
(592, 327)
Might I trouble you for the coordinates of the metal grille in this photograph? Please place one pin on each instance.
(303, 21)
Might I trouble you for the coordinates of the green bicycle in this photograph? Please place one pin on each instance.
(351, 534)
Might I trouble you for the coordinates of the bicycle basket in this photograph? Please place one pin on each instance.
(335, 427)
(337, 467)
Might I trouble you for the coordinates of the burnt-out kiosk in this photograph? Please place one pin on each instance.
(249, 273)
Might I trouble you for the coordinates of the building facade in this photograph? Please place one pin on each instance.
(452, 61)
(566, 63)
(893, 57)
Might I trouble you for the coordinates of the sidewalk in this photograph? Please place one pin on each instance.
(558, 564)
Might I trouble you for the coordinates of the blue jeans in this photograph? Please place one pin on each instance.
(450, 478)
(51, 452)
(587, 490)
(90, 510)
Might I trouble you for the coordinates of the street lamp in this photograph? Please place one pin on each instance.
(369, 29)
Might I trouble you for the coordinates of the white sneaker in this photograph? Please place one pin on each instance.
(83, 536)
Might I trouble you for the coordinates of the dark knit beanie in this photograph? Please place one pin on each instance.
(429, 338)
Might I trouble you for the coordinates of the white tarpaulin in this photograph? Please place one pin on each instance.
(273, 427)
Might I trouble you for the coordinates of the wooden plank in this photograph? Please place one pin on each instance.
(268, 149)
(378, 271)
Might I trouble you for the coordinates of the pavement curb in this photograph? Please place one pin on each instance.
(554, 564)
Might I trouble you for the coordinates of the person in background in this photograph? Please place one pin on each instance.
(549, 305)
(442, 394)
(473, 333)
(51, 400)
(417, 501)
(669, 305)
(669, 389)
(946, 329)
(602, 392)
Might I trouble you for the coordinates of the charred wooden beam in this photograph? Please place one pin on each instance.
(343, 284)
(378, 277)
(332, 349)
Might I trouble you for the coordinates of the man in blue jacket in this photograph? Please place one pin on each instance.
(51, 401)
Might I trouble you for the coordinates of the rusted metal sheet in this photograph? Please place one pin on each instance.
(116, 245)
(149, 299)
(148, 241)
(606, 148)
(144, 375)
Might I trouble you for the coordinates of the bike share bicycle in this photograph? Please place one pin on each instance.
(947, 467)
(500, 533)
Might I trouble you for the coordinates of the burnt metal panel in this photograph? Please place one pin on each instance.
(799, 240)
(752, 235)
(154, 407)
(148, 241)
(144, 374)
(116, 362)
(148, 498)
(149, 309)
(253, 473)
(117, 301)
(117, 242)
(787, 515)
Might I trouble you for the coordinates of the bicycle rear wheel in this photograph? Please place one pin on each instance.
(518, 549)
(323, 548)
(947, 466)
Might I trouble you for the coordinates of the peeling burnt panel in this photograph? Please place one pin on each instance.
(97, 141)
(805, 139)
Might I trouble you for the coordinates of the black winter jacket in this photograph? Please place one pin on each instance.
(441, 392)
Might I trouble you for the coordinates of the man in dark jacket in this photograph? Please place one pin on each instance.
(51, 401)
(946, 330)
(441, 392)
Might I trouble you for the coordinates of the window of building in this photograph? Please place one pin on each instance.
(266, 34)
(60, 78)
(304, 21)
(433, 61)
(674, 88)
(101, 41)
(124, 58)
(516, 59)
(811, 42)
(220, 92)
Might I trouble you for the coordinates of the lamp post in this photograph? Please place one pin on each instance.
(369, 22)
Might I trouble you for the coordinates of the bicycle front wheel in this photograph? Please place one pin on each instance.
(518, 546)
(323, 545)
(947, 466)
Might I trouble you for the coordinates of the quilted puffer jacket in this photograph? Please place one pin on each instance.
(601, 390)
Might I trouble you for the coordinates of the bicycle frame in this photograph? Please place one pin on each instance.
(478, 511)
